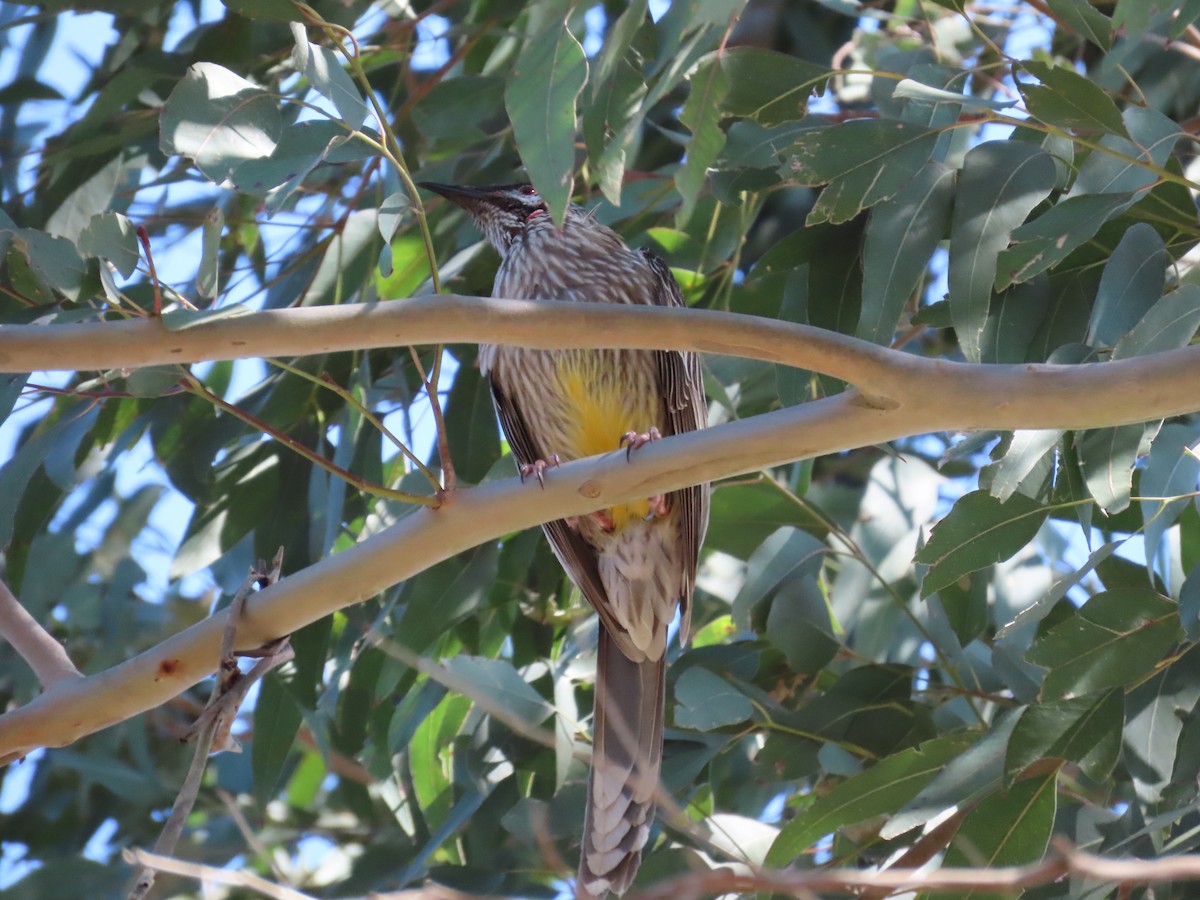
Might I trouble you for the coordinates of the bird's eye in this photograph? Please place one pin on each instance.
(528, 190)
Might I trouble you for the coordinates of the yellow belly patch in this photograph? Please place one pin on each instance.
(603, 406)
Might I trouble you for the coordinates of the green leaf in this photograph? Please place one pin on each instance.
(798, 625)
(1084, 731)
(1085, 20)
(744, 514)
(1113, 639)
(496, 682)
(701, 114)
(863, 162)
(208, 274)
(1171, 471)
(1132, 280)
(611, 123)
(540, 99)
(471, 425)
(978, 531)
(1157, 713)
(444, 594)
(883, 787)
(1008, 828)
(301, 149)
(1167, 325)
(460, 111)
(975, 772)
(1107, 457)
(276, 721)
(911, 89)
(901, 236)
(1025, 451)
(1120, 165)
(113, 237)
(1068, 100)
(220, 120)
(788, 553)
(768, 86)
(53, 259)
(706, 701)
(1000, 184)
(1051, 237)
(324, 71)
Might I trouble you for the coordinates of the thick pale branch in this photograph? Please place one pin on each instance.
(983, 396)
(468, 517)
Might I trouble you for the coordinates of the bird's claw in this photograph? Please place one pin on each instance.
(632, 440)
(659, 507)
(537, 469)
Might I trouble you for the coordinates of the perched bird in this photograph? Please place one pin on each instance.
(635, 563)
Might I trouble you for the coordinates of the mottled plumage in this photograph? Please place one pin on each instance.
(635, 563)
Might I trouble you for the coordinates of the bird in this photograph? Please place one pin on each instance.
(635, 563)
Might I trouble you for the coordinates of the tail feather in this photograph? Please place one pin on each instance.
(626, 759)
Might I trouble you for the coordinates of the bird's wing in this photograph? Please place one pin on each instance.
(577, 556)
(686, 410)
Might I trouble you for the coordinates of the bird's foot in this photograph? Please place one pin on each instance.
(659, 507)
(537, 469)
(631, 440)
(602, 517)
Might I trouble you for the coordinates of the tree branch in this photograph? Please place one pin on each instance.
(950, 397)
(982, 395)
(35, 645)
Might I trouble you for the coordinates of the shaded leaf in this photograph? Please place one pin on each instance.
(768, 86)
(705, 701)
(862, 162)
(876, 791)
(1084, 731)
(1000, 184)
(901, 236)
(540, 99)
(978, 531)
(1008, 828)
(498, 683)
(1111, 640)
(1133, 279)
(1067, 99)
(701, 114)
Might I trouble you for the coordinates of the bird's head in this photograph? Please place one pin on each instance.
(502, 211)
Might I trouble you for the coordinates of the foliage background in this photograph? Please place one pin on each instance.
(1025, 670)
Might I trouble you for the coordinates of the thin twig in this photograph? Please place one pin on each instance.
(212, 875)
(197, 387)
(212, 728)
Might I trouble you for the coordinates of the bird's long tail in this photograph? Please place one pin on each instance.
(626, 759)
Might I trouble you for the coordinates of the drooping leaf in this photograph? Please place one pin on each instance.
(901, 236)
(1000, 184)
(540, 99)
(1132, 280)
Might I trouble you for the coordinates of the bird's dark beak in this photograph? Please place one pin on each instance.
(463, 196)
